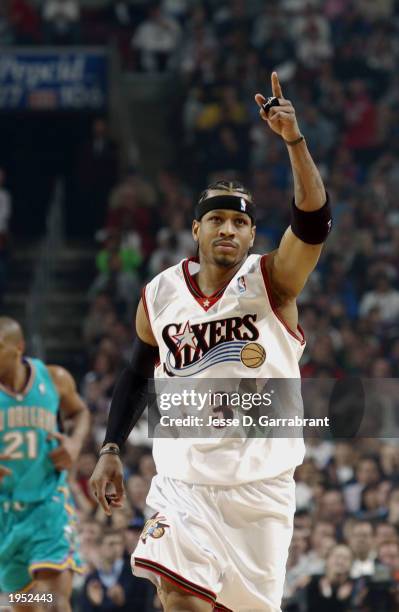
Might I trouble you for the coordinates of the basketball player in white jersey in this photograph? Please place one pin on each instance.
(223, 508)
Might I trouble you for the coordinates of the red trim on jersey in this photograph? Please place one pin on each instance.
(176, 579)
(206, 301)
(273, 305)
(144, 300)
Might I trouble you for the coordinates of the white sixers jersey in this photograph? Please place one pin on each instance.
(221, 337)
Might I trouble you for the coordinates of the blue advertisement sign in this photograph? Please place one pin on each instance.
(53, 79)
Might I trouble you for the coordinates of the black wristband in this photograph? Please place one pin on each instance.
(293, 143)
(313, 226)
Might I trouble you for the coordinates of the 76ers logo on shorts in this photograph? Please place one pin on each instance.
(154, 527)
(195, 347)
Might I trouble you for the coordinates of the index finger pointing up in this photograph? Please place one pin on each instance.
(276, 87)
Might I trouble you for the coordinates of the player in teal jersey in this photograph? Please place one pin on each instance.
(37, 533)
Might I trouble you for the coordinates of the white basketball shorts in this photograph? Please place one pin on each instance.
(226, 545)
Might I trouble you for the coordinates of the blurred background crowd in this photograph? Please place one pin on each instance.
(338, 63)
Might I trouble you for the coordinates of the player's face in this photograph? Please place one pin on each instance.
(224, 237)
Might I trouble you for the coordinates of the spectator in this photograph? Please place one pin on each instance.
(361, 122)
(383, 297)
(362, 546)
(156, 40)
(341, 466)
(277, 48)
(120, 15)
(130, 217)
(322, 541)
(296, 565)
(332, 507)
(61, 22)
(121, 18)
(367, 472)
(132, 533)
(388, 555)
(120, 337)
(98, 385)
(333, 591)
(118, 276)
(269, 19)
(112, 586)
(319, 132)
(370, 505)
(146, 467)
(136, 490)
(177, 9)
(26, 22)
(312, 49)
(165, 255)
(90, 534)
(97, 173)
(94, 323)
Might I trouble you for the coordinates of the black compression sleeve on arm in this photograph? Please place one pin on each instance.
(130, 395)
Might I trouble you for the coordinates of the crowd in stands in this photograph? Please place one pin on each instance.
(338, 63)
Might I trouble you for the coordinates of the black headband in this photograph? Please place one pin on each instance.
(225, 202)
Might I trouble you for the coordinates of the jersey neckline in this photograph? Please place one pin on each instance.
(205, 301)
(29, 383)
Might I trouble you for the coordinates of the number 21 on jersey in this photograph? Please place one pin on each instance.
(20, 444)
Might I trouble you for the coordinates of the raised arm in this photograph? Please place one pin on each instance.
(299, 250)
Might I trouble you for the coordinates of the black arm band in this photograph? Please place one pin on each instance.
(313, 226)
(129, 399)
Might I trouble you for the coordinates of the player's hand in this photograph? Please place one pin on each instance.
(281, 119)
(107, 475)
(66, 454)
(4, 471)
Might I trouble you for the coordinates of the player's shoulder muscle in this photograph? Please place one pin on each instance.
(62, 379)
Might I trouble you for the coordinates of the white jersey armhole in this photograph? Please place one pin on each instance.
(299, 334)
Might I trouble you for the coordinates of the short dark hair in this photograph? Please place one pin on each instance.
(227, 186)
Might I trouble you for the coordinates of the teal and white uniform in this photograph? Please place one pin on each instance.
(37, 517)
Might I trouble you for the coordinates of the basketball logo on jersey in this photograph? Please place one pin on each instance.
(195, 347)
(253, 355)
(154, 527)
